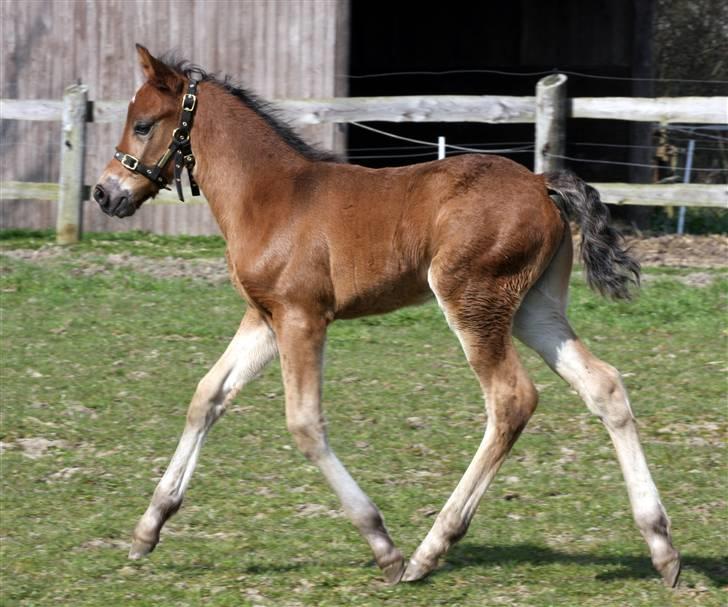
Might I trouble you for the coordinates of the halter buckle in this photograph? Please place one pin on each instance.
(127, 159)
(191, 99)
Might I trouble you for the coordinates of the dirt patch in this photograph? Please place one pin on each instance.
(213, 271)
(307, 510)
(35, 447)
(659, 251)
(209, 270)
(681, 251)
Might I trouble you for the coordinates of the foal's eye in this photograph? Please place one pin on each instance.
(143, 128)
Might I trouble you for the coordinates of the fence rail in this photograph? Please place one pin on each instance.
(548, 109)
(689, 195)
(432, 108)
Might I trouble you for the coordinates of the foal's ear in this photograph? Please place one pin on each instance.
(157, 73)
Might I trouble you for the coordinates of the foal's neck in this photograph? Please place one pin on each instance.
(241, 159)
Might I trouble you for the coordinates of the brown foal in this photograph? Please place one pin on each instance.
(311, 240)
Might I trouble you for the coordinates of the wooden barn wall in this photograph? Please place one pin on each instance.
(277, 48)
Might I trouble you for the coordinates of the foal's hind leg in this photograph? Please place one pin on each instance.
(252, 348)
(510, 398)
(541, 324)
(301, 343)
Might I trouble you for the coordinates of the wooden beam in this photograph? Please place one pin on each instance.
(668, 195)
(696, 110)
(678, 194)
(24, 190)
(434, 108)
(431, 108)
(31, 109)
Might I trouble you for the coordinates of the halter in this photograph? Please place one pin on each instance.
(180, 148)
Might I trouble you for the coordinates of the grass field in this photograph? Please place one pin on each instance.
(98, 365)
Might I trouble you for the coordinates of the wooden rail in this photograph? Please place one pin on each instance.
(678, 194)
(548, 109)
(432, 108)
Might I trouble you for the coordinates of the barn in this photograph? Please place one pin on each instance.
(318, 48)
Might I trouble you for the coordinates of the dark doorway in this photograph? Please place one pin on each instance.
(515, 38)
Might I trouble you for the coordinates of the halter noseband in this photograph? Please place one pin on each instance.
(180, 148)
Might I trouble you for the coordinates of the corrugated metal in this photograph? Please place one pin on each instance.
(283, 48)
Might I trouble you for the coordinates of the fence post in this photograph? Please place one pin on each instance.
(686, 179)
(73, 146)
(551, 111)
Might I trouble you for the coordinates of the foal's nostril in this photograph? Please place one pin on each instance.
(100, 195)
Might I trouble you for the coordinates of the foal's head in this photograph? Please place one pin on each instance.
(151, 119)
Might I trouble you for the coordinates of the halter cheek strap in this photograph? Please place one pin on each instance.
(180, 148)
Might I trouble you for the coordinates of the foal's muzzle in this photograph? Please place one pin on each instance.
(113, 200)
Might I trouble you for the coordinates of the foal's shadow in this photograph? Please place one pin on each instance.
(470, 555)
(467, 555)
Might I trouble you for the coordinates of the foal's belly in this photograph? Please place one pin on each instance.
(381, 296)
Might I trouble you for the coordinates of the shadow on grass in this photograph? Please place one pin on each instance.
(469, 555)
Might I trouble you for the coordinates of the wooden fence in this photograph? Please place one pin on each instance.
(548, 109)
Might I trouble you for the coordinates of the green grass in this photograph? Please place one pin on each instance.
(134, 241)
(106, 364)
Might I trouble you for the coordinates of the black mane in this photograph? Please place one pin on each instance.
(261, 107)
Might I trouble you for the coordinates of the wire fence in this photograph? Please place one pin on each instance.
(539, 73)
(519, 147)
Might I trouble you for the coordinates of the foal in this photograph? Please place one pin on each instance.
(311, 240)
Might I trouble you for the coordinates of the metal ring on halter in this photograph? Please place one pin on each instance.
(181, 131)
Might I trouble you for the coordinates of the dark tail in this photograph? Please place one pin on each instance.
(610, 269)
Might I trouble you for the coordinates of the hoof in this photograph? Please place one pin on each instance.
(670, 572)
(393, 572)
(140, 548)
(415, 571)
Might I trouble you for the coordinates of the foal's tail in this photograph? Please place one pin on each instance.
(610, 269)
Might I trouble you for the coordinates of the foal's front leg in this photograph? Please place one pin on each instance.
(252, 348)
(301, 340)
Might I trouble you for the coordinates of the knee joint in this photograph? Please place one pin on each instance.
(309, 436)
(609, 399)
(516, 407)
(205, 403)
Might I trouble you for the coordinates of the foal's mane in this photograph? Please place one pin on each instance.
(261, 107)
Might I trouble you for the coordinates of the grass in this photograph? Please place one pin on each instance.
(103, 367)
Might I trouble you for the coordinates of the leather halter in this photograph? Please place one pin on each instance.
(180, 148)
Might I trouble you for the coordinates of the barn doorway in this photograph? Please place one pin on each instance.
(510, 37)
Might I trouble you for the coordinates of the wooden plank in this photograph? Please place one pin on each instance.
(691, 195)
(697, 110)
(435, 108)
(31, 109)
(678, 194)
(21, 190)
(551, 110)
(432, 108)
(109, 111)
